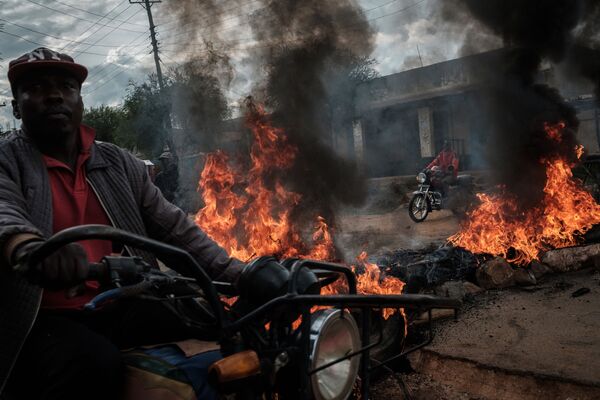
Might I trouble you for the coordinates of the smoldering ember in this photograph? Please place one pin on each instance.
(327, 199)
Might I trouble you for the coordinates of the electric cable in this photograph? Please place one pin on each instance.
(43, 45)
(53, 36)
(93, 13)
(94, 24)
(108, 33)
(75, 16)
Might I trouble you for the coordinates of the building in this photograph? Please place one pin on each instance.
(402, 119)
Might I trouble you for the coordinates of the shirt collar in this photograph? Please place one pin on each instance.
(87, 136)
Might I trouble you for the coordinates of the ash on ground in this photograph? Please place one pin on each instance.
(430, 267)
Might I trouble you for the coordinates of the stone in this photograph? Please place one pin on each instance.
(495, 274)
(472, 288)
(451, 289)
(571, 258)
(524, 277)
(539, 269)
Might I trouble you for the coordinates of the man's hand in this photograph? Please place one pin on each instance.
(64, 269)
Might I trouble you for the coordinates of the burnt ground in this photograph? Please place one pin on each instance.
(392, 230)
(519, 343)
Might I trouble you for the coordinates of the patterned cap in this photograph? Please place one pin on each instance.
(42, 58)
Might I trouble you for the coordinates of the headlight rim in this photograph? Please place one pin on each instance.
(322, 320)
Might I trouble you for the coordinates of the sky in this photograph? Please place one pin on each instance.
(111, 38)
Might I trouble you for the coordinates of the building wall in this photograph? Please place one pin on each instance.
(407, 116)
(589, 130)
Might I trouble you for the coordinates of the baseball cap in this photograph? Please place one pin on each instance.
(42, 58)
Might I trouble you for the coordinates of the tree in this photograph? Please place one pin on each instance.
(105, 120)
(199, 105)
(145, 110)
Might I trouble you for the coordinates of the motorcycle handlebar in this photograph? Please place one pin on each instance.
(186, 264)
(98, 272)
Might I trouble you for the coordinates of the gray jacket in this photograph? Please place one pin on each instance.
(132, 202)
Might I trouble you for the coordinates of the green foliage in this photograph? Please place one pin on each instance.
(145, 111)
(105, 120)
(198, 108)
(137, 124)
(199, 105)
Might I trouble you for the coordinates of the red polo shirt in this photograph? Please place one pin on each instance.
(75, 203)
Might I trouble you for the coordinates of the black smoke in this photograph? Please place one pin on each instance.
(533, 33)
(311, 55)
(310, 82)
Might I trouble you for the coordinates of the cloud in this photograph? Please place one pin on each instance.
(82, 35)
(120, 56)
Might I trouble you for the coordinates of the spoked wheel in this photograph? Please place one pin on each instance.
(418, 208)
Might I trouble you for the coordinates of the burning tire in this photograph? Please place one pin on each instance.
(418, 208)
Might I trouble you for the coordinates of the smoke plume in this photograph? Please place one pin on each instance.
(532, 32)
(308, 52)
(309, 82)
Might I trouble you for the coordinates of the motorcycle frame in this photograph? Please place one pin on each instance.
(188, 266)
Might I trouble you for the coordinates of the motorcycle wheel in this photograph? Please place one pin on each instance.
(418, 208)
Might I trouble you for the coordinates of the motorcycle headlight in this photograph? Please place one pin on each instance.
(333, 335)
(421, 177)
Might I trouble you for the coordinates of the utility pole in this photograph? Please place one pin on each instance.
(3, 104)
(147, 4)
(419, 52)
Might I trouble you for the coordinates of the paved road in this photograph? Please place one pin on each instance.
(517, 344)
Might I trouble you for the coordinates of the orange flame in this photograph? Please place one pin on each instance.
(248, 210)
(371, 282)
(566, 211)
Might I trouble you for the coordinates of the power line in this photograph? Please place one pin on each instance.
(107, 79)
(94, 24)
(214, 23)
(400, 11)
(44, 45)
(76, 17)
(53, 36)
(96, 74)
(237, 7)
(396, 12)
(108, 33)
(93, 13)
(262, 8)
(381, 5)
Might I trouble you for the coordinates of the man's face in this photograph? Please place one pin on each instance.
(49, 103)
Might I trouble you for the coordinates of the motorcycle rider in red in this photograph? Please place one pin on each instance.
(444, 168)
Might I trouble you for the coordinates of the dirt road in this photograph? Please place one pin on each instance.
(533, 343)
(392, 230)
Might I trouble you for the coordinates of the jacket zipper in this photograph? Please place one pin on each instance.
(112, 222)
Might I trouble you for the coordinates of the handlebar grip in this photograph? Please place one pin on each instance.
(98, 272)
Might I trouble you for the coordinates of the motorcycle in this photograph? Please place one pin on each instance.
(429, 196)
(297, 345)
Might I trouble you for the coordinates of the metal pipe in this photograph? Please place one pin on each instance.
(364, 361)
(349, 301)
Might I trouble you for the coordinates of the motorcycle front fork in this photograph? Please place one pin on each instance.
(436, 198)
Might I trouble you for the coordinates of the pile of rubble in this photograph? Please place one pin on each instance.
(454, 272)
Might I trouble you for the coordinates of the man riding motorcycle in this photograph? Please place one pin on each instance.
(53, 175)
(444, 169)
